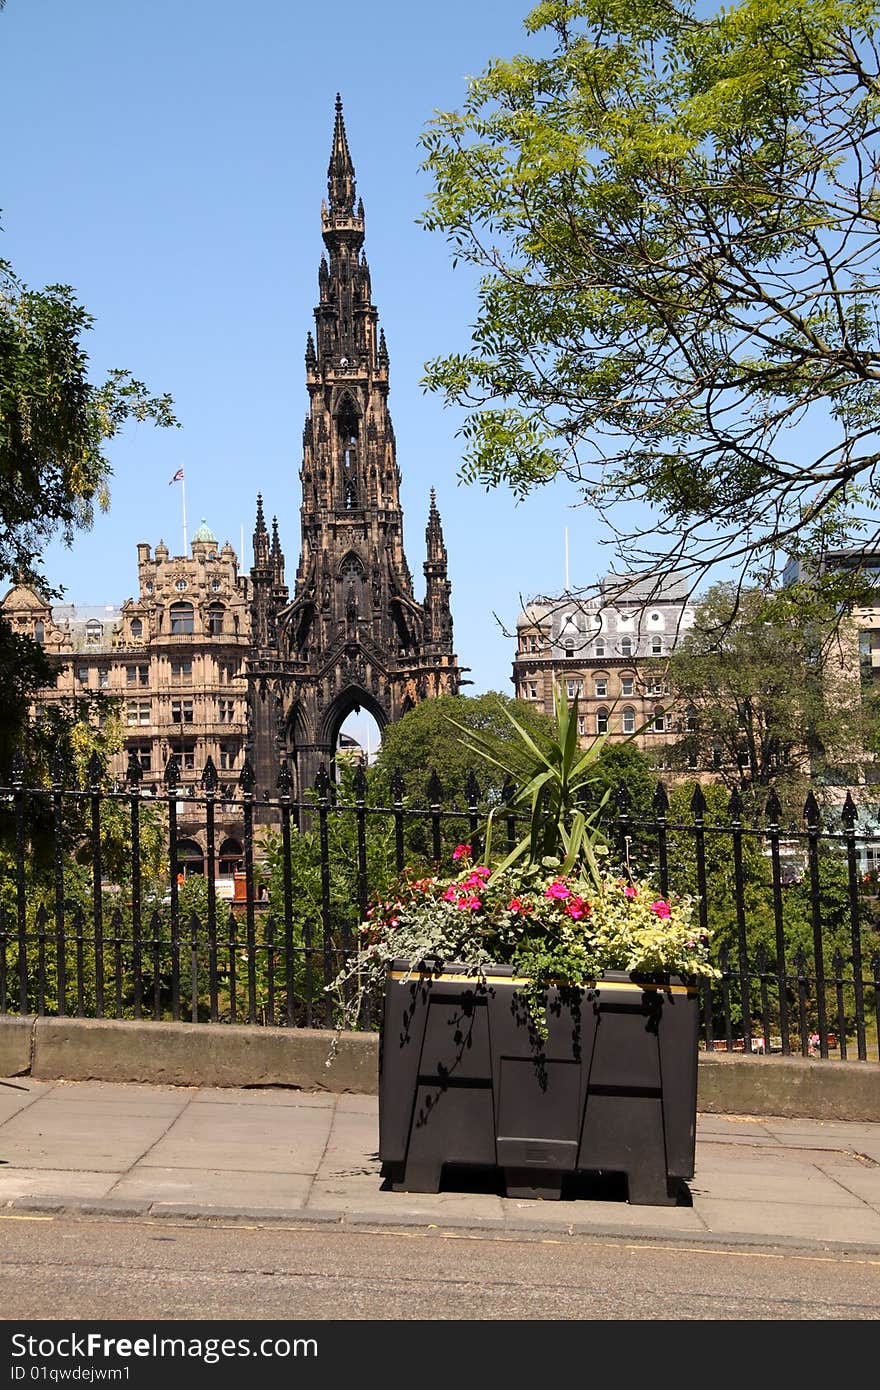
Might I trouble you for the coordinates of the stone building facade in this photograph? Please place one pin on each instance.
(609, 651)
(352, 634)
(172, 660)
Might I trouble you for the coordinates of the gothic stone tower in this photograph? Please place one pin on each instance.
(353, 635)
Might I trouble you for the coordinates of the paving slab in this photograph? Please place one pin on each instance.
(243, 1190)
(264, 1155)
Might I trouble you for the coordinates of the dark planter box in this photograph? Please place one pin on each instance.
(463, 1080)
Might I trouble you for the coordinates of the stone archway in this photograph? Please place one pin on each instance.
(349, 701)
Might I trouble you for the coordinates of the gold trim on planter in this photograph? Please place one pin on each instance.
(458, 977)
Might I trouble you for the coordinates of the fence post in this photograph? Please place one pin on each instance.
(284, 788)
(94, 773)
(171, 779)
(734, 810)
(773, 812)
(811, 812)
(322, 787)
(133, 780)
(246, 781)
(58, 866)
(848, 815)
(209, 786)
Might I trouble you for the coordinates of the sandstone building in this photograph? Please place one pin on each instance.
(609, 651)
(171, 659)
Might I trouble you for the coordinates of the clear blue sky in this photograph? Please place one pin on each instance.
(168, 160)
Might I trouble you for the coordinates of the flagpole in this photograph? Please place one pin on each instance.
(183, 503)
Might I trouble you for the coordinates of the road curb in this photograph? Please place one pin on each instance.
(472, 1228)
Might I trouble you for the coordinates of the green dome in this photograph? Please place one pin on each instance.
(205, 533)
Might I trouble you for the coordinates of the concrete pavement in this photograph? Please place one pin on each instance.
(277, 1155)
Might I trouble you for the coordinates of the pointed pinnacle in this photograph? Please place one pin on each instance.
(340, 171)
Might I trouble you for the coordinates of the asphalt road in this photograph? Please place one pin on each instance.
(152, 1271)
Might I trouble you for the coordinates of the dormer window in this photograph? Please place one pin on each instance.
(136, 629)
(94, 632)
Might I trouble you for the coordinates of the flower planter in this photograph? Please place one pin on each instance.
(463, 1080)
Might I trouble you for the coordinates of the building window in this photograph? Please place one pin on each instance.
(215, 619)
(182, 623)
(629, 720)
(190, 859)
(573, 688)
(602, 688)
(39, 631)
(182, 672)
(137, 712)
(529, 690)
(180, 585)
(144, 754)
(627, 686)
(626, 646)
(231, 859)
(103, 678)
(148, 587)
(599, 648)
(182, 711)
(225, 711)
(82, 675)
(659, 724)
(690, 720)
(228, 755)
(136, 629)
(655, 686)
(582, 725)
(185, 754)
(137, 675)
(656, 646)
(94, 633)
(601, 721)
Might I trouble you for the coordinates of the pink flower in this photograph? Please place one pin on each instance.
(558, 889)
(517, 905)
(460, 851)
(468, 902)
(474, 880)
(630, 892)
(577, 908)
(481, 871)
(450, 895)
(661, 909)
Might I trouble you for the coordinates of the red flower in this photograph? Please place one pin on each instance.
(460, 851)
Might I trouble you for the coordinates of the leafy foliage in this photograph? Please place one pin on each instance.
(675, 221)
(424, 741)
(771, 683)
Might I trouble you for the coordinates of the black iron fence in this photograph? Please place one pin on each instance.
(103, 913)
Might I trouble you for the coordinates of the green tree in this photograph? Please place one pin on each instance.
(55, 424)
(770, 690)
(426, 740)
(675, 221)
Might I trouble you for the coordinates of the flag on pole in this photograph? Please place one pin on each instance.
(178, 477)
